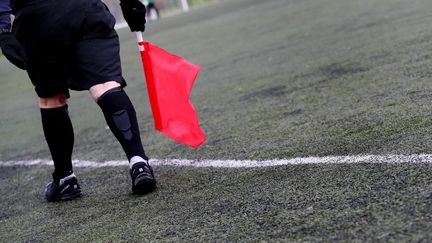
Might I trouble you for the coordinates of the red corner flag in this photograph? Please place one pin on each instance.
(169, 83)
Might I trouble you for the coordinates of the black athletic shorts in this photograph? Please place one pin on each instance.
(70, 44)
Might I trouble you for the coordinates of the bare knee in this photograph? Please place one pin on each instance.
(53, 101)
(99, 89)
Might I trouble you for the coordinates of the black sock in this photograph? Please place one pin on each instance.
(121, 118)
(59, 135)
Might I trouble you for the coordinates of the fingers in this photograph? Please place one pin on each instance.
(134, 13)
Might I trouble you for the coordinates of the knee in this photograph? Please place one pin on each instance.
(98, 90)
(53, 101)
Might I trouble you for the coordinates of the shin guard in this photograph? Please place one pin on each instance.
(121, 118)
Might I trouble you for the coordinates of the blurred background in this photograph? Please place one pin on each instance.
(165, 7)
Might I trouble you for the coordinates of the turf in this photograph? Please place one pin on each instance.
(280, 79)
(297, 203)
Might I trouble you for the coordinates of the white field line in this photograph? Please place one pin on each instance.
(355, 159)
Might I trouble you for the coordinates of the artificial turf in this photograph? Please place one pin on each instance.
(360, 203)
(280, 79)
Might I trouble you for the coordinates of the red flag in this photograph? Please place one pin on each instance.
(169, 82)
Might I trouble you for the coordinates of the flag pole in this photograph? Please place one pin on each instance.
(139, 37)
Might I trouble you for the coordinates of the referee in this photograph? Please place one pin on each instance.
(72, 45)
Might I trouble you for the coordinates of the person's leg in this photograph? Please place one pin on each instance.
(150, 7)
(97, 68)
(148, 10)
(48, 33)
(59, 136)
(58, 133)
(157, 11)
(121, 118)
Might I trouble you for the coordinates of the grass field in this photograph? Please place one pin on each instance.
(280, 79)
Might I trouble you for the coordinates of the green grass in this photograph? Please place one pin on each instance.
(280, 79)
(297, 203)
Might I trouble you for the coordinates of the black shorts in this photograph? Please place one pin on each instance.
(70, 44)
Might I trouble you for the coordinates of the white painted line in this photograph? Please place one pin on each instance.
(355, 159)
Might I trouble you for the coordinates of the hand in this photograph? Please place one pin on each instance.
(13, 50)
(134, 13)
